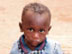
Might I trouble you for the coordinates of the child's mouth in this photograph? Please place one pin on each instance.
(37, 41)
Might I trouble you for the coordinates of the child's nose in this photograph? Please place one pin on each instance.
(36, 35)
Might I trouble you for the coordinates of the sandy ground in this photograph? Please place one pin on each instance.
(10, 14)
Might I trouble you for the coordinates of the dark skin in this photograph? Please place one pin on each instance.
(35, 28)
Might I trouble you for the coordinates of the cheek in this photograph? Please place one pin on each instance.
(42, 36)
(28, 35)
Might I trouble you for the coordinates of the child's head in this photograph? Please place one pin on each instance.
(35, 23)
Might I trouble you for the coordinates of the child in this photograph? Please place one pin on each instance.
(35, 25)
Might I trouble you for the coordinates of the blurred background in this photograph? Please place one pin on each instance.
(10, 15)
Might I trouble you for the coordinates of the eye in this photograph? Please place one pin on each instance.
(41, 30)
(31, 29)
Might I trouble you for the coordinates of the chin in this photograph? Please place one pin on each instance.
(35, 43)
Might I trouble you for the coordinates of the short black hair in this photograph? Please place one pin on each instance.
(36, 8)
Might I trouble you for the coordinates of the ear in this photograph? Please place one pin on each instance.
(49, 28)
(20, 26)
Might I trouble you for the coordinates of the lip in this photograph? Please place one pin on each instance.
(36, 40)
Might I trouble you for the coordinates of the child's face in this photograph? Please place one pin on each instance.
(35, 27)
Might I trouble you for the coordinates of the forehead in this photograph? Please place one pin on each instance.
(31, 18)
